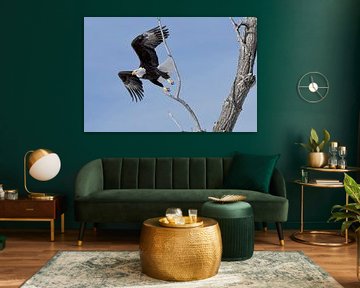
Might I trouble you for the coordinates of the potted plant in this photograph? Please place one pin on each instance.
(350, 214)
(316, 157)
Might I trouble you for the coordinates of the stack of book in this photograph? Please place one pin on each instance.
(327, 181)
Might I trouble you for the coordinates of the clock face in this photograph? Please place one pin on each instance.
(313, 87)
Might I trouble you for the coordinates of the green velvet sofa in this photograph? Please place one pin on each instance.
(130, 190)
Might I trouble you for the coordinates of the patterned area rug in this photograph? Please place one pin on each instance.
(122, 269)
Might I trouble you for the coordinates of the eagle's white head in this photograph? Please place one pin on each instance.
(140, 72)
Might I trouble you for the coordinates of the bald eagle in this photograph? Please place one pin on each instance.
(144, 46)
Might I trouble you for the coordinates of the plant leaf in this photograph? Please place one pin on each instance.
(349, 213)
(306, 146)
(326, 136)
(352, 188)
(342, 207)
(314, 136)
(352, 207)
(321, 146)
(313, 145)
(337, 216)
(346, 225)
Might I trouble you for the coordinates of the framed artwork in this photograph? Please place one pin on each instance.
(170, 74)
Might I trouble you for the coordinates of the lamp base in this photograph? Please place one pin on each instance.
(41, 196)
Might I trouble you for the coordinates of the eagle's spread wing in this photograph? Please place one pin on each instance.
(133, 84)
(145, 44)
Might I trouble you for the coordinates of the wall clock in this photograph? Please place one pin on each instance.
(313, 87)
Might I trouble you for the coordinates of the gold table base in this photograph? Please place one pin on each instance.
(180, 254)
(295, 237)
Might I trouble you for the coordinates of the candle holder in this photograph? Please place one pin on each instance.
(333, 162)
(342, 153)
(2, 192)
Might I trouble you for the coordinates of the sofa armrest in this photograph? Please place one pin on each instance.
(89, 179)
(277, 184)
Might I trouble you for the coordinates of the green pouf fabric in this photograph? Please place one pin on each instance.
(2, 242)
(236, 221)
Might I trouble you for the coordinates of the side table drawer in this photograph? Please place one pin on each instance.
(27, 209)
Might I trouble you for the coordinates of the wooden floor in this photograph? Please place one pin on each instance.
(28, 250)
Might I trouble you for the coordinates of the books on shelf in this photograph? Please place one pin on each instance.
(327, 181)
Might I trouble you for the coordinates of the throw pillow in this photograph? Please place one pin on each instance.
(251, 172)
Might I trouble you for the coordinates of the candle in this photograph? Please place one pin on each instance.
(342, 149)
(333, 144)
(342, 154)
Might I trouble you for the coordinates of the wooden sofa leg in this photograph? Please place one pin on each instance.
(280, 233)
(265, 227)
(81, 233)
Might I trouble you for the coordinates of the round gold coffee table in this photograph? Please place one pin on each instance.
(180, 254)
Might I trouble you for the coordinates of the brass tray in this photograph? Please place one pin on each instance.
(164, 222)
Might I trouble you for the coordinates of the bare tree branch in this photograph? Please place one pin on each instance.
(237, 27)
(176, 97)
(178, 86)
(244, 79)
(175, 121)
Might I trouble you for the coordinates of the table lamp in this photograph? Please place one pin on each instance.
(43, 165)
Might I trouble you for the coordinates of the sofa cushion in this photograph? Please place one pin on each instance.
(164, 173)
(251, 172)
(266, 206)
(172, 195)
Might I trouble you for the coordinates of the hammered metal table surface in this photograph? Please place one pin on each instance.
(184, 254)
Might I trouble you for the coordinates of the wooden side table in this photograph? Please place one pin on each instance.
(27, 209)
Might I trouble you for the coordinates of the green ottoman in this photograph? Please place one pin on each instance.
(236, 221)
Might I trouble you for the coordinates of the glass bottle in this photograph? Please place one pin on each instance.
(2, 192)
(342, 154)
(11, 194)
(333, 151)
(174, 215)
(304, 176)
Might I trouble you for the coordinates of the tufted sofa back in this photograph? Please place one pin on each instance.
(165, 173)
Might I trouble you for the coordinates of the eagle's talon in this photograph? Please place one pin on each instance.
(170, 81)
(166, 91)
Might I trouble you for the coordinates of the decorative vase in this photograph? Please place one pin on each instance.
(317, 159)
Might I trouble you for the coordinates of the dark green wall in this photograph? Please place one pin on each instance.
(42, 88)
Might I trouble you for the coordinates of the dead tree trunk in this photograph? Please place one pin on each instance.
(247, 37)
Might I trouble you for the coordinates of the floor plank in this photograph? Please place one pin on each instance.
(28, 250)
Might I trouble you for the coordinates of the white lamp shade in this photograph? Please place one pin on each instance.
(46, 168)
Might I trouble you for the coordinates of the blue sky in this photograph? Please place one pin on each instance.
(206, 53)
